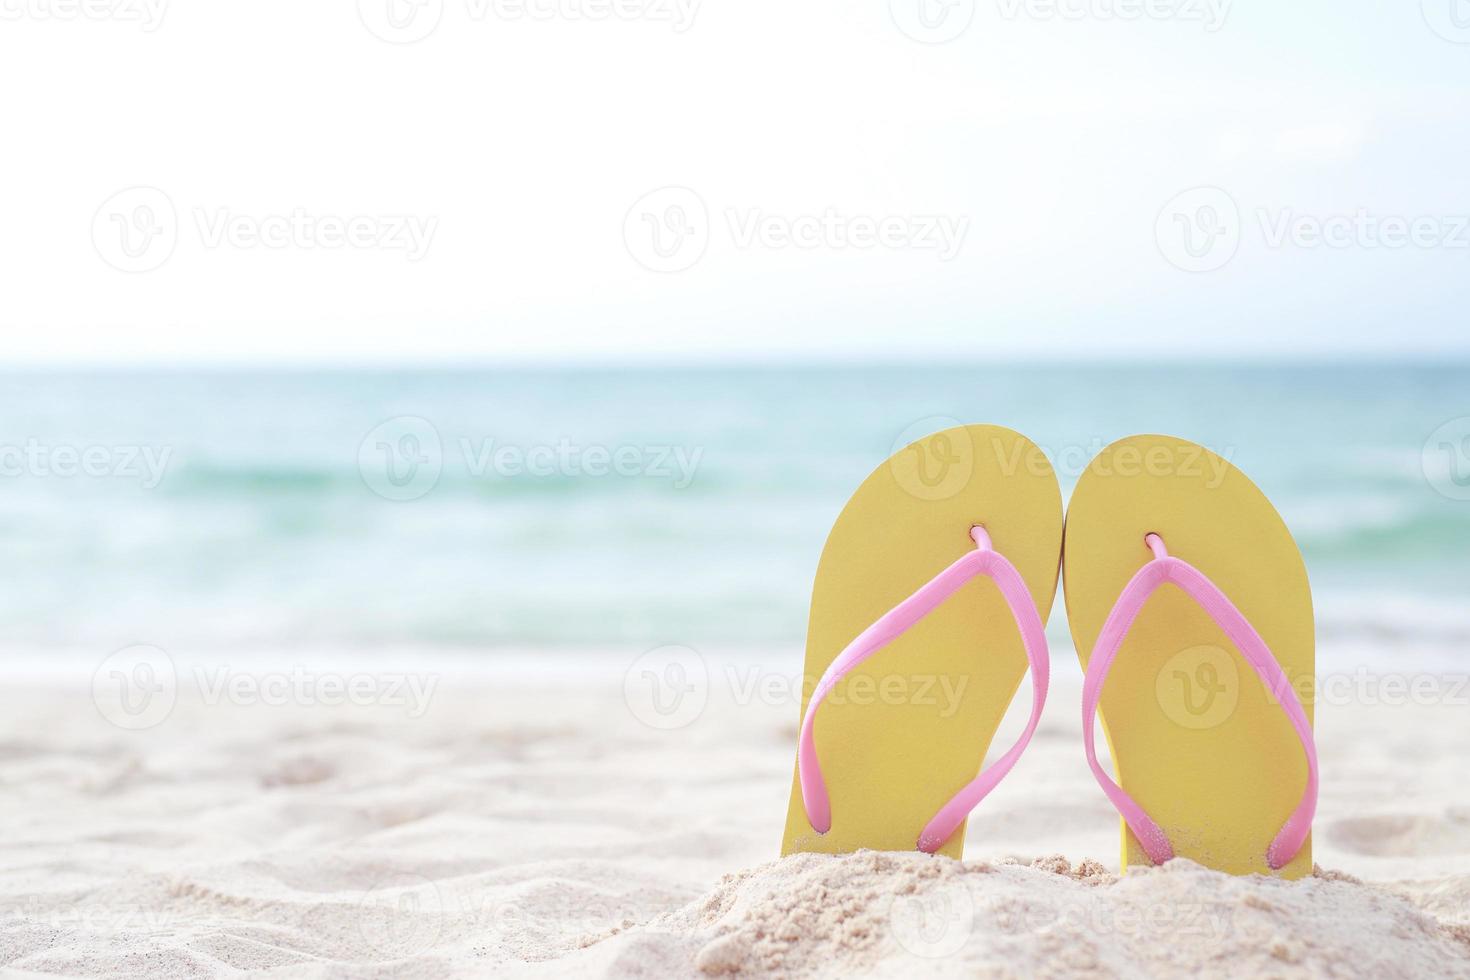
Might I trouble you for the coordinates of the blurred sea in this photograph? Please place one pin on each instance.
(589, 509)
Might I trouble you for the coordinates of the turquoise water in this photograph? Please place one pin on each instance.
(260, 529)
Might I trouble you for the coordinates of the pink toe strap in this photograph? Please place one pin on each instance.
(982, 561)
(1165, 569)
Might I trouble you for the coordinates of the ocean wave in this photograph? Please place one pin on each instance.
(1379, 527)
(205, 480)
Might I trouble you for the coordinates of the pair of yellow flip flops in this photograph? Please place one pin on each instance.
(914, 670)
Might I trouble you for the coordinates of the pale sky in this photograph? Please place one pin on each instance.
(841, 188)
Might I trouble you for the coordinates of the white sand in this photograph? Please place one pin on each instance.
(538, 826)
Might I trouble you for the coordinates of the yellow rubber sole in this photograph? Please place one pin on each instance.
(1196, 738)
(909, 727)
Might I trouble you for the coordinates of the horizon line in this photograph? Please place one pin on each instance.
(1427, 358)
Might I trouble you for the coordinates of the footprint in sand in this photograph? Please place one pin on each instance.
(298, 771)
(1404, 835)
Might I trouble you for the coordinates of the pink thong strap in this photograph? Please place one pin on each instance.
(984, 560)
(1194, 583)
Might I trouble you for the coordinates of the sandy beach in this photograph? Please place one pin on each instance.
(433, 433)
(544, 827)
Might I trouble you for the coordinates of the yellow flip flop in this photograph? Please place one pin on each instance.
(911, 687)
(1210, 742)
